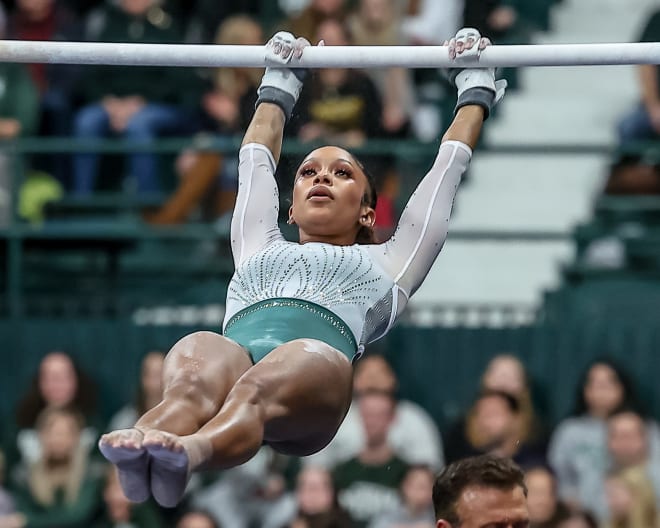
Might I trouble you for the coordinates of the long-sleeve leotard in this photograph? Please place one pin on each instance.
(367, 286)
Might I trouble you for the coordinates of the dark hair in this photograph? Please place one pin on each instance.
(412, 469)
(629, 396)
(49, 413)
(33, 402)
(336, 518)
(201, 512)
(484, 470)
(511, 401)
(366, 235)
(584, 515)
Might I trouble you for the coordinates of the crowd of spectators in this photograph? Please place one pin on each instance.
(597, 467)
(141, 105)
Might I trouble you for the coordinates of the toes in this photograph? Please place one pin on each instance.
(162, 440)
(127, 439)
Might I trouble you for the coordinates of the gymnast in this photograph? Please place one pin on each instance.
(297, 313)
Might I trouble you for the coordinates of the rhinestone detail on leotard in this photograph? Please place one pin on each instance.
(318, 311)
(341, 279)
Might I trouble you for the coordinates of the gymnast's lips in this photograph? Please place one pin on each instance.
(320, 192)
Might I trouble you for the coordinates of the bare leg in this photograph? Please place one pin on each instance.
(294, 399)
(199, 372)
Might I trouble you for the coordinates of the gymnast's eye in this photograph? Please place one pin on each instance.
(309, 171)
(344, 173)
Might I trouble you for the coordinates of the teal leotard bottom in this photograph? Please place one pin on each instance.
(265, 325)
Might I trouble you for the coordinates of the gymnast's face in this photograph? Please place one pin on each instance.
(330, 198)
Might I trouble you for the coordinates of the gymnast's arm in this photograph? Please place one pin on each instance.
(267, 129)
(254, 223)
(422, 229)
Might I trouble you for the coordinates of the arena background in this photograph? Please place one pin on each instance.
(547, 259)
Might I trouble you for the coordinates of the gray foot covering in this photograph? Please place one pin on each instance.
(169, 474)
(132, 468)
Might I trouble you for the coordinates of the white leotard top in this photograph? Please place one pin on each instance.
(367, 286)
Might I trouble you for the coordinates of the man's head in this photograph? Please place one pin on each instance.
(481, 492)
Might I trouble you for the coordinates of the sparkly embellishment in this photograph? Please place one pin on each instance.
(340, 326)
(341, 279)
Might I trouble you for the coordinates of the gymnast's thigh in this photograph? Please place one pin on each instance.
(306, 387)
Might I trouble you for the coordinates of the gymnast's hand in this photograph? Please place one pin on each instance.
(281, 85)
(476, 86)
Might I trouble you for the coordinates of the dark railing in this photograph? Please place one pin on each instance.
(125, 230)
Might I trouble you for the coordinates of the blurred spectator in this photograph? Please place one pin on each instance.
(251, 494)
(644, 122)
(578, 447)
(228, 107)
(506, 373)
(59, 383)
(631, 501)
(119, 512)
(209, 14)
(50, 20)
(431, 22)
(630, 175)
(500, 21)
(197, 519)
(368, 483)
(306, 23)
(19, 115)
(375, 23)
(338, 105)
(63, 486)
(491, 426)
(545, 508)
(314, 504)
(139, 104)
(149, 393)
(495, 19)
(416, 502)
(578, 519)
(628, 446)
(412, 433)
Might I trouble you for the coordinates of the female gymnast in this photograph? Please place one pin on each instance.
(297, 314)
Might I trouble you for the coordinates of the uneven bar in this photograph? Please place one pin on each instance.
(194, 55)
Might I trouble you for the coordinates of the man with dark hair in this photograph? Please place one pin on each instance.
(481, 492)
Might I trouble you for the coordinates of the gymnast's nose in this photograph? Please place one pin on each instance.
(323, 176)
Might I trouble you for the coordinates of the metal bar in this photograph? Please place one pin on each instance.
(195, 55)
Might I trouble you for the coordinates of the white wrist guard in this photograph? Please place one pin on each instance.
(477, 86)
(281, 85)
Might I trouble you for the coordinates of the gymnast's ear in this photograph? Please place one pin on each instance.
(291, 220)
(367, 217)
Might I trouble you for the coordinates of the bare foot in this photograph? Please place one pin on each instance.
(169, 469)
(125, 450)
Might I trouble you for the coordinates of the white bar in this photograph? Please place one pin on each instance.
(328, 56)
